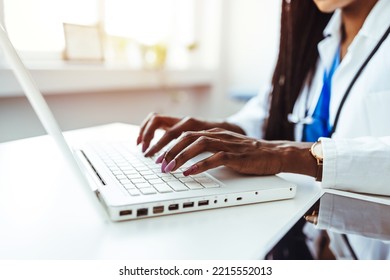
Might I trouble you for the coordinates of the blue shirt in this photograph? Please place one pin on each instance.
(320, 126)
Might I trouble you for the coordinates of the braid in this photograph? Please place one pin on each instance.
(302, 26)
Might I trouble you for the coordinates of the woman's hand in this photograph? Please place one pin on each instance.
(174, 127)
(238, 152)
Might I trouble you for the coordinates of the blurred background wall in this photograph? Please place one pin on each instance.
(229, 56)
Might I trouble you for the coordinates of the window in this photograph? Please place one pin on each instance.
(36, 27)
(151, 21)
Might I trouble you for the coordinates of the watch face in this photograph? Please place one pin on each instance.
(317, 150)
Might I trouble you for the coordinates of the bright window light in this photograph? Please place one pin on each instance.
(36, 26)
(151, 21)
(185, 32)
(148, 21)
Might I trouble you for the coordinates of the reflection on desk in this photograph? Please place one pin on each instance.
(358, 225)
(354, 216)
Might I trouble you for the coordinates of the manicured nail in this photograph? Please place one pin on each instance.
(163, 166)
(190, 170)
(138, 140)
(170, 166)
(160, 158)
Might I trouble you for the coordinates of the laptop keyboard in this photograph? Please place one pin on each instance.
(142, 176)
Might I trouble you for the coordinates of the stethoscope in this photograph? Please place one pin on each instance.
(292, 118)
(295, 119)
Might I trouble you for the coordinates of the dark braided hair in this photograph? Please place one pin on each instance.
(302, 28)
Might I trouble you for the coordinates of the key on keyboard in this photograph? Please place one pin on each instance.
(142, 176)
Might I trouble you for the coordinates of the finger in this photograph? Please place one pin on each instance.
(218, 159)
(143, 126)
(230, 135)
(201, 145)
(174, 132)
(155, 123)
(205, 141)
(185, 140)
(148, 135)
(161, 143)
(185, 155)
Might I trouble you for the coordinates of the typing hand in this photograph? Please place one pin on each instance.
(241, 153)
(173, 126)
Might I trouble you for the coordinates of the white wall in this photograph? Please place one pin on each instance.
(251, 42)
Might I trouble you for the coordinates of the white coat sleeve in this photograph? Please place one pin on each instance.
(252, 116)
(359, 164)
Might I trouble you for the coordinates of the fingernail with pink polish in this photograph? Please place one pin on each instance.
(190, 170)
(144, 147)
(171, 165)
(163, 166)
(160, 158)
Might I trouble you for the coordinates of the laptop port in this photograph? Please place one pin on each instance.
(125, 212)
(158, 209)
(142, 212)
(173, 207)
(203, 203)
(188, 204)
(239, 198)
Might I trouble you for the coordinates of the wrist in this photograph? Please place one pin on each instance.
(296, 158)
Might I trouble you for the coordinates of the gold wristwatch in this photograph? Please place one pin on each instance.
(316, 151)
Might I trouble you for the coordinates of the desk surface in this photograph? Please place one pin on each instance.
(43, 214)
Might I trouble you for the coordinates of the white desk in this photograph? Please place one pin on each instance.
(43, 214)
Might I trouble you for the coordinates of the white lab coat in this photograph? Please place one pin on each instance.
(357, 158)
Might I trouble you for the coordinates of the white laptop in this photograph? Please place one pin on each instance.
(130, 186)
